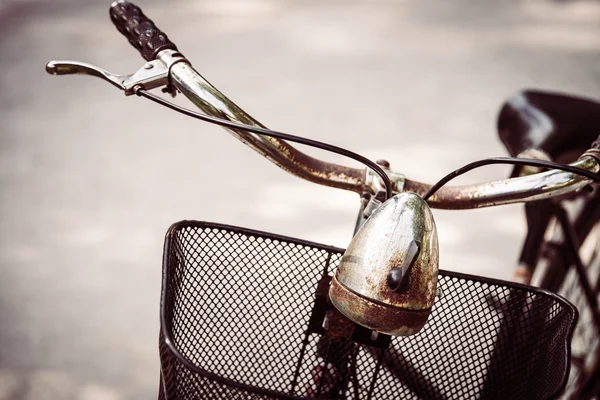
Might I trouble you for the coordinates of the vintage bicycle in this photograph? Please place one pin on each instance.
(247, 314)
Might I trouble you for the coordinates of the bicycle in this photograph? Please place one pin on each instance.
(546, 260)
(340, 358)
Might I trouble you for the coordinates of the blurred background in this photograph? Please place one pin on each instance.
(90, 180)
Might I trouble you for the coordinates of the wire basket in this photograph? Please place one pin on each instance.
(242, 315)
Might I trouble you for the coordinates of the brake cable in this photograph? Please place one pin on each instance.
(279, 135)
(512, 161)
(347, 153)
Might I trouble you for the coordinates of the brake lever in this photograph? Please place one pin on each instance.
(152, 75)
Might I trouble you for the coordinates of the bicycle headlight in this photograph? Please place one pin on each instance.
(387, 278)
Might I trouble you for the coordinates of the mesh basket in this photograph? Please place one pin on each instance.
(242, 316)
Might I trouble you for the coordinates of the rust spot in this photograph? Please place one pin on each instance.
(383, 318)
(297, 163)
(337, 325)
(417, 297)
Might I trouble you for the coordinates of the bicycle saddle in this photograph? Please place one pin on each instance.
(387, 278)
(562, 126)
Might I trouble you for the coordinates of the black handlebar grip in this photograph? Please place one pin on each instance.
(139, 29)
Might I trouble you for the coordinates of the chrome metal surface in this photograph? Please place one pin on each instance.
(206, 97)
(75, 67)
(171, 57)
(374, 182)
(380, 246)
(373, 204)
(533, 154)
(522, 189)
(152, 75)
(172, 69)
(211, 101)
(594, 153)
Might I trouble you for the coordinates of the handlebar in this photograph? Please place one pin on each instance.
(533, 187)
(528, 188)
(210, 100)
(139, 30)
(153, 44)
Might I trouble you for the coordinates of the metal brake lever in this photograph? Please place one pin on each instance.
(152, 75)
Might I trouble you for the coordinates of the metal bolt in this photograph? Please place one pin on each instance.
(374, 336)
(383, 163)
(148, 66)
(371, 206)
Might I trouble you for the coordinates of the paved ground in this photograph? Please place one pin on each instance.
(90, 180)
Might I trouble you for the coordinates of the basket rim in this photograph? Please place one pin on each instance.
(170, 342)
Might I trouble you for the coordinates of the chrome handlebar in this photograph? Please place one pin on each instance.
(183, 77)
(210, 100)
(527, 188)
(533, 187)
